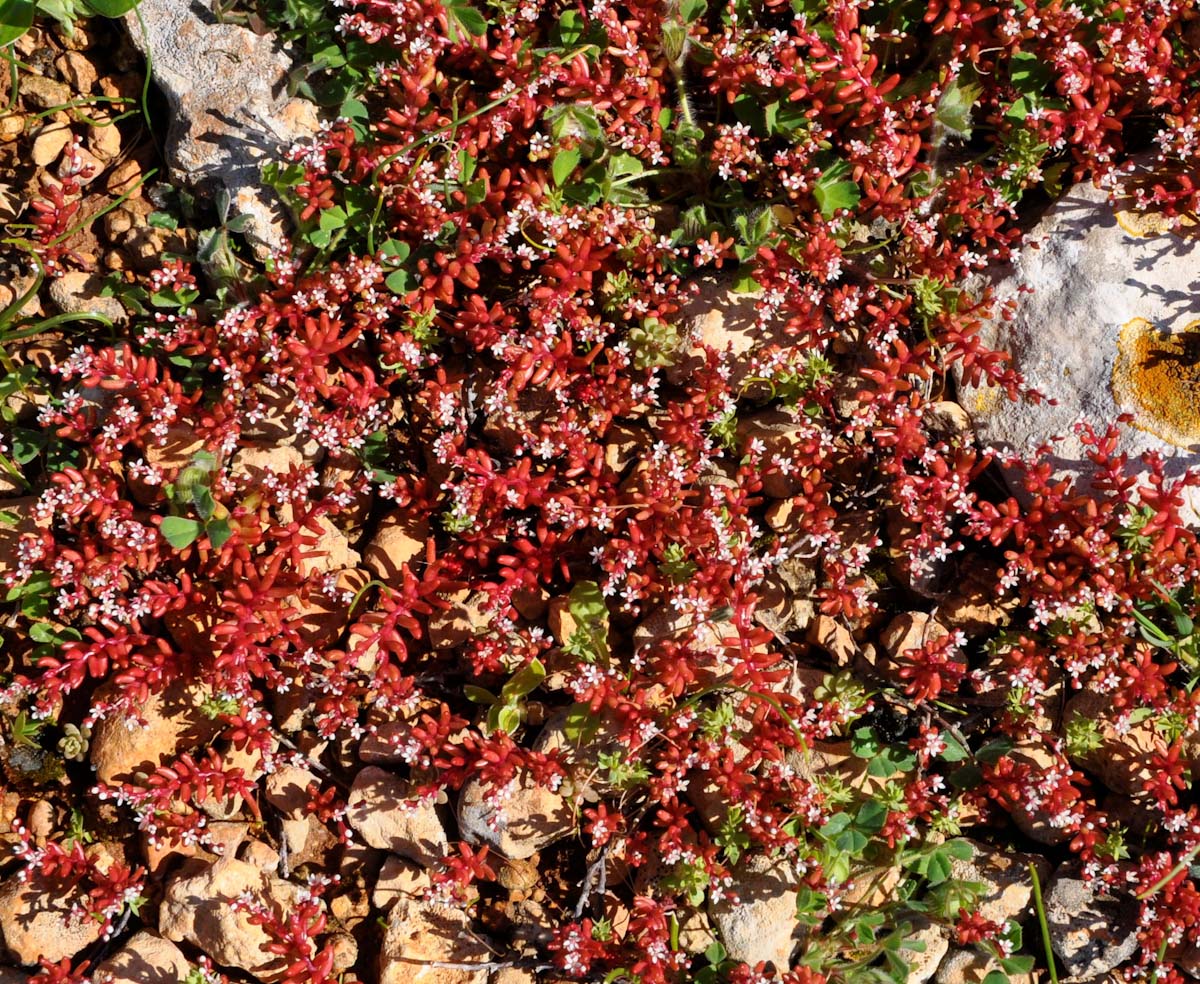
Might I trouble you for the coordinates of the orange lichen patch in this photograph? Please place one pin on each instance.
(1156, 375)
(1147, 225)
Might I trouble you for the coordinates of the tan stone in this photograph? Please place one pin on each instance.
(399, 540)
(973, 967)
(420, 933)
(79, 293)
(906, 632)
(1124, 761)
(253, 462)
(873, 888)
(923, 963)
(17, 518)
(727, 321)
(40, 92)
(173, 454)
(104, 140)
(513, 975)
(197, 909)
(36, 920)
(1036, 823)
(345, 951)
(560, 620)
(81, 164)
(50, 141)
(973, 602)
(1007, 886)
(249, 761)
(781, 433)
(761, 926)
(399, 880)
(124, 177)
(948, 421)
(41, 821)
(624, 444)
(380, 811)
(145, 959)
(287, 790)
(331, 552)
(11, 127)
(834, 638)
(262, 856)
(174, 723)
(465, 618)
(530, 818)
(322, 618)
(78, 70)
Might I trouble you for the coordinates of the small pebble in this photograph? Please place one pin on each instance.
(49, 143)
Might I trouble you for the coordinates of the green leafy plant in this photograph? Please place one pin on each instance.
(16, 16)
(25, 730)
(192, 490)
(507, 708)
(1182, 641)
(589, 640)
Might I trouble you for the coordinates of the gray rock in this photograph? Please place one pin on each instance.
(1090, 932)
(230, 113)
(1103, 333)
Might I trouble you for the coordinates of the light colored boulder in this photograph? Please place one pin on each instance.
(146, 959)
(923, 950)
(379, 809)
(1007, 886)
(1109, 328)
(399, 540)
(973, 967)
(1038, 821)
(197, 909)
(79, 293)
(526, 820)
(287, 790)
(331, 552)
(174, 723)
(19, 518)
(253, 461)
(1123, 757)
(419, 933)
(781, 434)
(36, 920)
(399, 880)
(760, 926)
(730, 322)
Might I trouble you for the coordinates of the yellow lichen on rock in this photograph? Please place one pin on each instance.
(1156, 376)
(1147, 225)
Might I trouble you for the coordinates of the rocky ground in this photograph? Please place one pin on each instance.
(163, 171)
